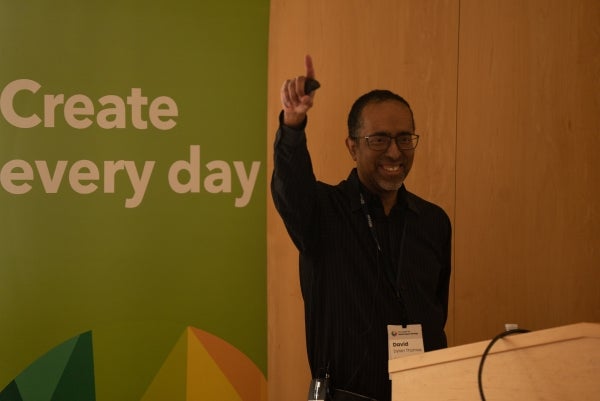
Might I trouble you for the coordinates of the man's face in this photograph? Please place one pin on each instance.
(383, 171)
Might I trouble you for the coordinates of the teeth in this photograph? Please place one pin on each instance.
(391, 168)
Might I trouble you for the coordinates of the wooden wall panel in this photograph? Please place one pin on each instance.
(527, 226)
(408, 46)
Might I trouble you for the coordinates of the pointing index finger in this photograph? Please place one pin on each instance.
(311, 84)
(310, 70)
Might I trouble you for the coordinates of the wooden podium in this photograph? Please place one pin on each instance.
(557, 364)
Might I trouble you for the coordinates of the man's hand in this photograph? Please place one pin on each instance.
(294, 100)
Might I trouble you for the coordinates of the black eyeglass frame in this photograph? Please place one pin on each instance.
(414, 141)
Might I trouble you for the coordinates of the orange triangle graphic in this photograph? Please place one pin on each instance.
(205, 380)
(243, 374)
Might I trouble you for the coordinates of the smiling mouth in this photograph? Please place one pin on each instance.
(391, 169)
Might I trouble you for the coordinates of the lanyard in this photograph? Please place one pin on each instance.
(390, 262)
(367, 214)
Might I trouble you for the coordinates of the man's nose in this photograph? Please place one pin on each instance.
(393, 150)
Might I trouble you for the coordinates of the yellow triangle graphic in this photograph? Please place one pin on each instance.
(205, 380)
(169, 382)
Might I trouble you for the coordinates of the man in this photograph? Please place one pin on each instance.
(372, 254)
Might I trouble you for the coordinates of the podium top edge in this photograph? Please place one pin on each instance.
(509, 343)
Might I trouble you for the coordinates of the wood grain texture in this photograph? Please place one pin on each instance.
(556, 364)
(527, 208)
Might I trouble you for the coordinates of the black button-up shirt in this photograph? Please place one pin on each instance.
(351, 290)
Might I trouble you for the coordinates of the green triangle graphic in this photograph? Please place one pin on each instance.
(38, 381)
(10, 393)
(77, 380)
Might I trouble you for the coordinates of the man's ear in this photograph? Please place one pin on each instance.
(351, 144)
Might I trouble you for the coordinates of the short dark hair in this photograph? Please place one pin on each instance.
(375, 96)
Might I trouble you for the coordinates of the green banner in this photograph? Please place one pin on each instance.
(132, 200)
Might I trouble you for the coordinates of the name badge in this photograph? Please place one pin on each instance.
(405, 340)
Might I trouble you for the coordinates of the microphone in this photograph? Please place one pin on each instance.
(311, 85)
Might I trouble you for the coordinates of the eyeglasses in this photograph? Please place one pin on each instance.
(383, 141)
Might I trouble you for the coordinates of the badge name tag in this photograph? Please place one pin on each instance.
(404, 341)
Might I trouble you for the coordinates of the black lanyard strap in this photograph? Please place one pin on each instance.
(391, 266)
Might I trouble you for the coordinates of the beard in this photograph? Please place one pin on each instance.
(390, 184)
(377, 181)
